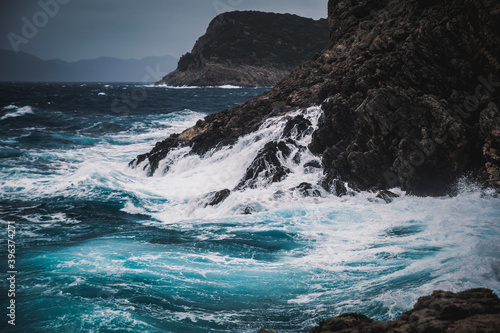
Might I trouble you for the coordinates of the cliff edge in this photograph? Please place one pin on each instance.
(249, 48)
(409, 91)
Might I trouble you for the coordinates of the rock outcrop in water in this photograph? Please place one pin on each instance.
(475, 310)
(249, 49)
(410, 93)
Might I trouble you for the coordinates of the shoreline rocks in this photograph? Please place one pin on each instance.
(470, 311)
(474, 310)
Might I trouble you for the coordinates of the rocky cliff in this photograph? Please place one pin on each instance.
(249, 49)
(410, 94)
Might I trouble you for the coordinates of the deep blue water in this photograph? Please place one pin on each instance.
(101, 247)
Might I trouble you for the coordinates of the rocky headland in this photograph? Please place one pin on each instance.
(410, 94)
(249, 48)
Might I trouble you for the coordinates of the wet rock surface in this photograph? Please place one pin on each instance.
(387, 196)
(215, 198)
(266, 168)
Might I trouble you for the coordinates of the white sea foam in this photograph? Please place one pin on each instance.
(78, 172)
(226, 86)
(223, 168)
(9, 107)
(18, 113)
(355, 252)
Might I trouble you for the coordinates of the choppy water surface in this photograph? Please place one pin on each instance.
(101, 247)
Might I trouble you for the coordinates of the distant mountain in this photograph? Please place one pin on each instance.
(26, 67)
(250, 48)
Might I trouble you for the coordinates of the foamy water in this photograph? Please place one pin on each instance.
(104, 247)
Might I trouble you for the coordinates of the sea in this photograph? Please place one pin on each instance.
(90, 244)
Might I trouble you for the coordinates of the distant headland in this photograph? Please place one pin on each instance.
(249, 48)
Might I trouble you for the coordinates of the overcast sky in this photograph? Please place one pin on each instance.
(84, 29)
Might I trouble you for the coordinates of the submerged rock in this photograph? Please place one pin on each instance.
(387, 196)
(307, 190)
(474, 310)
(215, 198)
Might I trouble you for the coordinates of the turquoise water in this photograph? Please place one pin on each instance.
(101, 247)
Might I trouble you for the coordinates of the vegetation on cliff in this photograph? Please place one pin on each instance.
(239, 43)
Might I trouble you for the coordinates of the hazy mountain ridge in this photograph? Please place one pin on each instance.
(26, 67)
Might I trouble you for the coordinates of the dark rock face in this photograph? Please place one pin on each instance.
(474, 310)
(410, 94)
(215, 198)
(249, 49)
(307, 190)
(409, 71)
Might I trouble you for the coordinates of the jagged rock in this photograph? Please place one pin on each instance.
(340, 189)
(215, 198)
(474, 310)
(410, 94)
(307, 190)
(297, 127)
(333, 185)
(387, 196)
(312, 164)
(266, 168)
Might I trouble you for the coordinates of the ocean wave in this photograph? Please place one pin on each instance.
(10, 107)
(226, 86)
(90, 169)
(20, 111)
